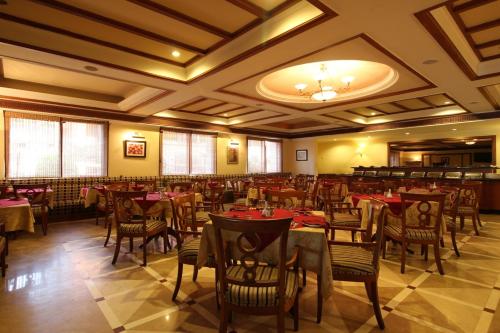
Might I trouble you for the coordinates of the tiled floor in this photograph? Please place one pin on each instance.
(65, 283)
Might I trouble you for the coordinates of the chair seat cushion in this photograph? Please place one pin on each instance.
(351, 260)
(256, 296)
(465, 210)
(137, 228)
(3, 242)
(411, 234)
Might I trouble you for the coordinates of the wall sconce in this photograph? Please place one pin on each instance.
(361, 149)
(134, 136)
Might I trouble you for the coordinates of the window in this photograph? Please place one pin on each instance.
(186, 153)
(264, 155)
(44, 146)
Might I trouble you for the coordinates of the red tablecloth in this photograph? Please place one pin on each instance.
(15, 202)
(394, 202)
(298, 217)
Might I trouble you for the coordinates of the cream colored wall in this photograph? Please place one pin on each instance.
(2, 146)
(119, 165)
(337, 154)
(296, 167)
(222, 144)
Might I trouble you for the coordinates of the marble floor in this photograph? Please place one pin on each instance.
(65, 282)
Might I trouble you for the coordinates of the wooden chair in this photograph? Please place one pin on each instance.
(287, 199)
(181, 187)
(187, 236)
(37, 197)
(469, 204)
(131, 223)
(392, 185)
(450, 210)
(341, 214)
(365, 187)
(4, 249)
(215, 199)
(105, 205)
(3, 192)
(247, 285)
(145, 185)
(424, 228)
(359, 262)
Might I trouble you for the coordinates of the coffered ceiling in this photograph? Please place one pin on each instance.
(199, 64)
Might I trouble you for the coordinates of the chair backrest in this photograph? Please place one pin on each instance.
(184, 214)
(417, 174)
(393, 185)
(125, 209)
(470, 194)
(422, 211)
(365, 187)
(3, 191)
(200, 185)
(288, 198)
(145, 185)
(117, 184)
(451, 201)
(253, 238)
(181, 187)
(377, 213)
(216, 197)
(35, 193)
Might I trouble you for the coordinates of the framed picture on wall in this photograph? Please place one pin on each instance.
(134, 148)
(233, 153)
(301, 155)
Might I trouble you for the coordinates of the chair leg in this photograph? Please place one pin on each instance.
(384, 246)
(478, 218)
(403, 256)
(441, 242)
(117, 248)
(437, 257)
(131, 244)
(281, 321)
(462, 222)
(319, 310)
(454, 242)
(353, 234)
(45, 221)
(195, 273)
(474, 223)
(376, 305)
(304, 277)
(332, 234)
(426, 252)
(369, 290)
(223, 320)
(144, 250)
(2, 262)
(108, 235)
(296, 313)
(178, 282)
(166, 243)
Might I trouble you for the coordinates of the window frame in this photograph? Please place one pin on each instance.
(7, 115)
(265, 153)
(189, 150)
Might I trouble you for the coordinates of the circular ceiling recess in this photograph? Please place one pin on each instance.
(327, 81)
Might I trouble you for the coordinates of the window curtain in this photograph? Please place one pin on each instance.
(256, 156)
(33, 145)
(273, 156)
(203, 152)
(175, 153)
(84, 149)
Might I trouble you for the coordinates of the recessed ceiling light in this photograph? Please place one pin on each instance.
(176, 53)
(470, 143)
(225, 114)
(453, 129)
(347, 79)
(447, 102)
(407, 133)
(300, 86)
(91, 68)
(429, 61)
(373, 113)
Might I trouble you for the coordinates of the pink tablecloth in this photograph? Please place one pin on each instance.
(17, 215)
(394, 202)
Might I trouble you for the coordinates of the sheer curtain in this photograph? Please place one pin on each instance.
(256, 156)
(203, 153)
(273, 156)
(84, 149)
(175, 153)
(33, 146)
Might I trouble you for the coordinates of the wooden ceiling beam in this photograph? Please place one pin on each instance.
(396, 104)
(250, 7)
(471, 5)
(86, 38)
(118, 25)
(178, 16)
(2, 73)
(488, 44)
(483, 26)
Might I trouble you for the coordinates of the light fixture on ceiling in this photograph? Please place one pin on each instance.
(407, 133)
(324, 91)
(176, 53)
(447, 102)
(453, 129)
(429, 61)
(470, 143)
(91, 68)
(373, 113)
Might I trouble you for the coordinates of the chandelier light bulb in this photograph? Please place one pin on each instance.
(327, 88)
(300, 86)
(347, 79)
(324, 95)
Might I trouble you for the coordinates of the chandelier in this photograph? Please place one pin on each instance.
(324, 90)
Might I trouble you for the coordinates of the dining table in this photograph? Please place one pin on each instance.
(307, 231)
(16, 214)
(37, 195)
